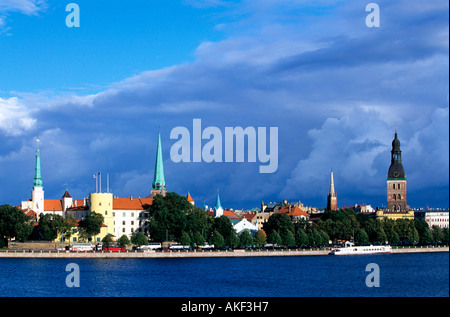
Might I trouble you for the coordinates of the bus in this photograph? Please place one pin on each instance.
(80, 247)
(113, 247)
(150, 246)
(179, 247)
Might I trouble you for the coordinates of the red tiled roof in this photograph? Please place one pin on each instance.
(52, 204)
(131, 203)
(31, 213)
(226, 212)
(249, 216)
(189, 198)
(294, 211)
(230, 214)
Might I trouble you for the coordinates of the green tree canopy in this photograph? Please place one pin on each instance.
(301, 238)
(172, 214)
(198, 239)
(361, 237)
(47, 228)
(139, 239)
(260, 238)
(217, 239)
(445, 232)
(279, 223)
(245, 238)
(314, 237)
(224, 226)
(274, 238)
(14, 224)
(438, 235)
(287, 238)
(123, 241)
(92, 224)
(108, 239)
(185, 239)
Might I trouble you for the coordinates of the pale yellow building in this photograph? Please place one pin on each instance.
(395, 215)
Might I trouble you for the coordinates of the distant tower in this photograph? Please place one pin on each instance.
(396, 181)
(332, 197)
(189, 199)
(66, 200)
(37, 195)
(159, 184)
(218, 210)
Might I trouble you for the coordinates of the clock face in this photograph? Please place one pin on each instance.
(396, 173)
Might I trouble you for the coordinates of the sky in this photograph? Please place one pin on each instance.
(97, 95)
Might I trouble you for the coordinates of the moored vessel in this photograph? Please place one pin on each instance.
(351, 249)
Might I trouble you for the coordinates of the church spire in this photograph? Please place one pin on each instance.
(218, 210)
(332, 197)
(37, 168)
(218, 205)
(332, 184)
(158, 179)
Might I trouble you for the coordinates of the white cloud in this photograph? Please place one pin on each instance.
(15, 119)
(28, 7)
(334, 96)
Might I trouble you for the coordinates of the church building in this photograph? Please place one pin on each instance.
(122, 216)
(396, 180)
(397, 206)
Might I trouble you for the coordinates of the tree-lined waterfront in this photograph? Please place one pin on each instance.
(173, 218)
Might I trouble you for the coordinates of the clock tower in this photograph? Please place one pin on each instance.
(396, 181)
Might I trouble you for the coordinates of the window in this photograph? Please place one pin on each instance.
(123, 214)
(123, 222)
(132, 223)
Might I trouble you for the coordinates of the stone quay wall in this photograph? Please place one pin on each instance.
(179, 254)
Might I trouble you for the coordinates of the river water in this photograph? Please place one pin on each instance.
(399, 275)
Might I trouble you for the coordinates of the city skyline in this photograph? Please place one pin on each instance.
(96, 96)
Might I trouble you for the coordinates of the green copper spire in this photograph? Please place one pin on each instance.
(37, 168)
(158, 179)
(218, 205)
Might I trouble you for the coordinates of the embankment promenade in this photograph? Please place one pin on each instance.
(190, 254)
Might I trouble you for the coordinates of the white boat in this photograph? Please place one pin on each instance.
(350, 249)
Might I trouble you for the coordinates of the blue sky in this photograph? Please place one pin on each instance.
(96, 95)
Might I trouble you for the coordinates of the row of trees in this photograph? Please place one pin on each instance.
(173, 218)
(345, 224)
(14, 223)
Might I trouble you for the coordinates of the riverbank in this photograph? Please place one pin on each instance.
(187, 254)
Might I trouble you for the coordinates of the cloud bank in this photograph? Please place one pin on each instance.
(335, 88)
